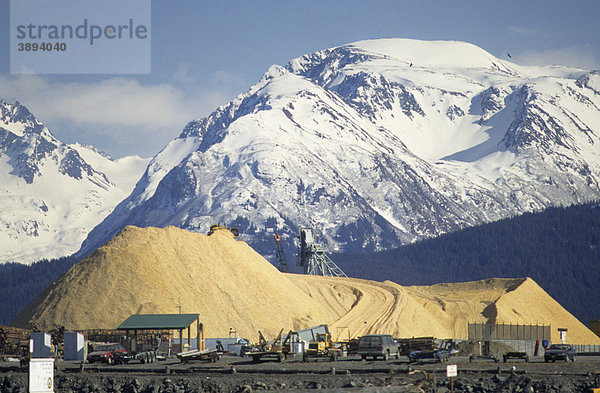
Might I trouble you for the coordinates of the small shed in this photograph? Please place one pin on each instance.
(178, 322)
(41, 346)
(74, 346)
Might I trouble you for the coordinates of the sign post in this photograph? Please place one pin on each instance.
(451, 372)
(563, 334)
(41, 375)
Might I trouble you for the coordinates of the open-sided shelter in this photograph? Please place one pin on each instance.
(178, 322)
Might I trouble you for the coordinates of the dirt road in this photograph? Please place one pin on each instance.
(360, 307)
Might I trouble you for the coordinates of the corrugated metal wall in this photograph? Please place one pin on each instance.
(489, 331)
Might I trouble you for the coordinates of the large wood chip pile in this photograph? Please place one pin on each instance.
(152, 270)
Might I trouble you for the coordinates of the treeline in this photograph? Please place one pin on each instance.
(20, 284)
(559, 248)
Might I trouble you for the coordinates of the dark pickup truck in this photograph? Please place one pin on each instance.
(378, 345)
(560, 352)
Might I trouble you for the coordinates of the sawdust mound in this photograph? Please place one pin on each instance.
(153, 270)
(441, 310)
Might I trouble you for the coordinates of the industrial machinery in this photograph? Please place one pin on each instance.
(283, 266)
(313, 258)
(322, 347)
(218, 227)
(277, 349)
(210, 355)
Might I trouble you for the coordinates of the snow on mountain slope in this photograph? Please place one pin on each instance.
(377, 143)
(124, 172)
(52, 194)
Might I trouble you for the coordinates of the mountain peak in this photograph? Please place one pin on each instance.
(18, 120)
(51, 195)
(273, 72)
(376, 144)
(430, 54)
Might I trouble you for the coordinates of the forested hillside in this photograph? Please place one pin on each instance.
(20, 284)
(559, 248)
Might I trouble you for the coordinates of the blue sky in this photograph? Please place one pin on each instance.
(204, 53)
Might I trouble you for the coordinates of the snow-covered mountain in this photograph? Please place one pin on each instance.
(376, 144)
(53, 194)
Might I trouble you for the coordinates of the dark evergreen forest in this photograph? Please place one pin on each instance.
(20, 284)
(559, 248)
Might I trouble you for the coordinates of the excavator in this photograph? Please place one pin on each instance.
(218, 227)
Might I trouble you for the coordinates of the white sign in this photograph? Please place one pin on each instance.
(41, 375)
(451, 370)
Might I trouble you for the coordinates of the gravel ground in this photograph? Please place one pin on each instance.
(346, 375)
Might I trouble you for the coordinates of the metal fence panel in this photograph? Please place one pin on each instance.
(502, 331)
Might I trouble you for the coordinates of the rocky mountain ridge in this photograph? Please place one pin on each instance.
(51, 193)
(376, 144)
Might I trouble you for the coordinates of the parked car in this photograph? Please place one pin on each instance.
(378, 345)
(439, 355)
(560, 352)
(107, 353)
(515, 355)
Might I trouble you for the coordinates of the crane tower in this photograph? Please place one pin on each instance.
(279, 254)
(313, 258)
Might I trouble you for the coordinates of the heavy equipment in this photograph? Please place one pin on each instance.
(277, 349)
(322, 347)
(280, 255)
(218, 227)
(313, 258)
(210, 355)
